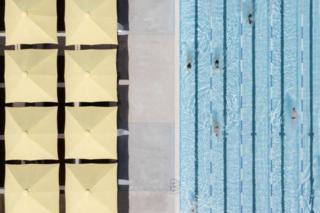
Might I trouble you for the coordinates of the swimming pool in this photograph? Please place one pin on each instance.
(255, 82)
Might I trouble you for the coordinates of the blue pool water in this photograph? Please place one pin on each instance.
(256, 85)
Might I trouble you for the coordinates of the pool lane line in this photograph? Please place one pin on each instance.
(270, 168)
(196, 152)
(225, 105)
(253, 107)
(241, 108)
(282, 104)
(211, 102)
(301, 191)
(311, 107)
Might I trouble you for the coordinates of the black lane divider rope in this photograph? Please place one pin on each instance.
(196, 162)
(253, 108)
(282, 106)
(225, 106)
(311, 107)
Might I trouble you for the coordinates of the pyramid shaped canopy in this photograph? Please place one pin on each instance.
(90, 75)
(91, 22)
(31, 76)
(31, 133)
(31, 188)
(91, 188)
(91, 132)
(30, 22)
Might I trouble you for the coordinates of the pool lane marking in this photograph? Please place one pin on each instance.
(196, 49)
(282, 105)
(271, 106)
(253, 108)
(241, 107)
(225, 104)
(301, 191)
(311, 134)
(211, 103)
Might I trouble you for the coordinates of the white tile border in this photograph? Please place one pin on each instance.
(177, 104)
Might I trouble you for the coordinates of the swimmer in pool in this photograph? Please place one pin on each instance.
(194, 207)
(216, 129)
(294, 115)
(250, 18)
(216, 66)
(189, 63)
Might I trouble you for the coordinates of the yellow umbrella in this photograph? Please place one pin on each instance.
(31, 133)
(91, 188)
(31, 76)
(32, 188)
(29, 22)
(91, 132)
(91, 22)
(90, 75)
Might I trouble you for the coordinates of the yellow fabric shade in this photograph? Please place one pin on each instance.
(30, 22)
(91, 133)
(31, 133)
(31, 76)
(90, 75)
(91, 188)
(91, 22)
(32, 188)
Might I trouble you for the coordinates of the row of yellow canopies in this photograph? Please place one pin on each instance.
(34, 188)
(86, 21)
(31, 75)
(31, 133)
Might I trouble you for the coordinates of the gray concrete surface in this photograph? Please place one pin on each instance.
(152, 106)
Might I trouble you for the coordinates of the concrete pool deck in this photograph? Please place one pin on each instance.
(152, 106)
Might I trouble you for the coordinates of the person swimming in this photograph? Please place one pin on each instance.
(294, 114)
(194, 207)
(250, 18)
(216, 129)
(216, 64)
(189, 63)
